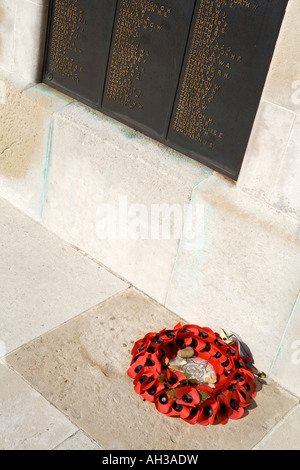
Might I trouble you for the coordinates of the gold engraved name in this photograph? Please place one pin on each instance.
(242, 3)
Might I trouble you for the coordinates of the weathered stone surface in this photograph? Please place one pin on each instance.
(81, 368)
(44, 282)
(25, 145)
(27, 420)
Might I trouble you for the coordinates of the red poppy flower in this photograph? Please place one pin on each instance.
(242, 375)
(145, 360)
(222, 411)
(208, 412)
(173, 378)
(195, 342)
(151, 389)
(234, 408)
(222, 384)
(141, 345)
(193, 417)
(165, 350)
(136, 367)
(207, 334)
(188, 396)
(169, 335)
(250, 388)
(189, 330)
(208, 351)
(178, 410)
(142, 377)
(163, 402)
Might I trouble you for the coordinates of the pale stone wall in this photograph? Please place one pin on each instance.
(22, 36)
(271, 169)
(60, 160)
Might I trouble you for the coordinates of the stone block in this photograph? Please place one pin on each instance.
(97, 163)
(285, 435)
(30, 35)
(286, 189)
(22, 37)
(283, 82)
(27, 420)
(270, 170)
(242, 272)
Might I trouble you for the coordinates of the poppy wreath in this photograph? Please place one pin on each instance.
(171, 391)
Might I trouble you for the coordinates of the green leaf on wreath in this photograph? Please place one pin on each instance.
(203, 396)
(171, 394)
(162, 378)
(187, 375)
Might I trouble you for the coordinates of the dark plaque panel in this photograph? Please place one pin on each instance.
(146, 57)
(78, 47)
(189, 73)
(228, 55)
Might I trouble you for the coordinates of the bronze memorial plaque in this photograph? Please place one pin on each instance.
(228, 56)
(146, 58)
(189, 73)
(78, 46)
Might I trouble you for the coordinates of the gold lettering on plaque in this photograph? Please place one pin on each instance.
(68, 24)
(129, 58)
(208, 67)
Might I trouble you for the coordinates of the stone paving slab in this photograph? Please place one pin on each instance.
(285, 435)
(80, 367)
(79, 441)
(44, 281)
(27, 420)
